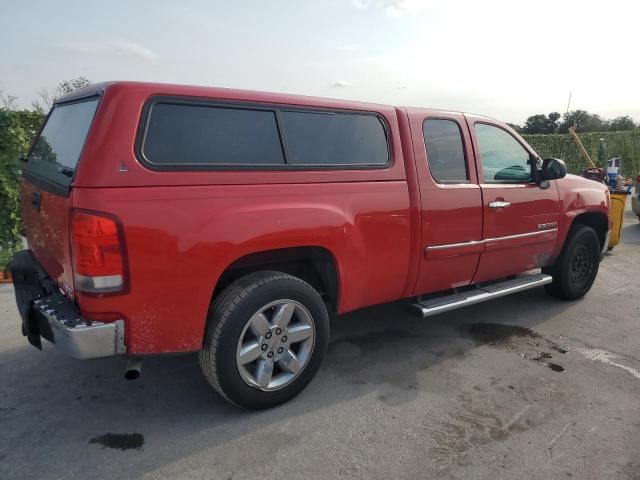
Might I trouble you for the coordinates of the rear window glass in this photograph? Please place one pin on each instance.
(179, 134)
(318, 138)
(445, 151)
(57, 150)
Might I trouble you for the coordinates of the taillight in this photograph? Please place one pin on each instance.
(97, 249)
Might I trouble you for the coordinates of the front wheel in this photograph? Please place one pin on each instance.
(266, 336)
(576, 268)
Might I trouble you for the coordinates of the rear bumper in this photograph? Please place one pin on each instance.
(47, 313)
(77, 337)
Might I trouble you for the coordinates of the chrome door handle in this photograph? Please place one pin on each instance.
(499, 204)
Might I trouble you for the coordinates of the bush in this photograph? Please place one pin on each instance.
(17, 128)
(600, 145)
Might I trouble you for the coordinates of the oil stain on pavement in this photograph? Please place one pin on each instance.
(120, 441)
(529, 344)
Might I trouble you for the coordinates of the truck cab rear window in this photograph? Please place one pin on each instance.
(200, 136)
(56, 152)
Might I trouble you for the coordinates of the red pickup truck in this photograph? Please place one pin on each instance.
(165, 219)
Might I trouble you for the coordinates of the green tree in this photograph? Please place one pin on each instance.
(516, 127)
(554, 117)
(541, 123)
(583, 121)
(621, 124)
(49, 96)
(17, 128)
(535, 124)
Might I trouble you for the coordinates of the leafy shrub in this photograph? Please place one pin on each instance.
(600, 145)
(17, 128)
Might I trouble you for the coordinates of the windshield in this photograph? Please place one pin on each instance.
(56, 152)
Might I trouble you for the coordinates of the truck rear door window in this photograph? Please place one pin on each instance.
(56, 152)
(332, 138)
(180, 134)
(445, 151)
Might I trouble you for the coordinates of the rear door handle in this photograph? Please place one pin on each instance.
(35, 200)
(499, 204)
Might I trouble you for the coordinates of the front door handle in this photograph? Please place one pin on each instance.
(499, 204)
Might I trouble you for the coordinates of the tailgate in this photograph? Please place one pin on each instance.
(46, 186)
(45, 216)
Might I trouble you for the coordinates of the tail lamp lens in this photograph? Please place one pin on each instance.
(98, 253)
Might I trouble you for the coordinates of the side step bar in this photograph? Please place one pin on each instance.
(444, 303)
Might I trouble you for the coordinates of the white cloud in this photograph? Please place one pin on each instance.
(134, 49)
(340, 84)
(394, 8)
(360, 4)
(120, 48)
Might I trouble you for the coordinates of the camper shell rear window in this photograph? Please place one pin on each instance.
(56, 151)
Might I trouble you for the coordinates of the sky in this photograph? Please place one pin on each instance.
(504, 59)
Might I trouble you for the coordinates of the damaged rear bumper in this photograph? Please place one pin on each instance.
(77, 337)
(47, 313)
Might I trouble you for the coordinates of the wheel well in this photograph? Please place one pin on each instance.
(596, 220)
(314, 265)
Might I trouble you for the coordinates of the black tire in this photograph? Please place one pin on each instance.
(227, 319)
(576, 268)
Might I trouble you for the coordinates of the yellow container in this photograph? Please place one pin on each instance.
(616, 212)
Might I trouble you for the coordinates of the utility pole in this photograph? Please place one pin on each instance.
(569, 102)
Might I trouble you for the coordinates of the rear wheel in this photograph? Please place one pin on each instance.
(576, 268)
(266, 336)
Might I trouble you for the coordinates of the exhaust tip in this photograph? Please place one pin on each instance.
(134, 365)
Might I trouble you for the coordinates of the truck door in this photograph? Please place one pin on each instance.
(520, 219)
(450, 201)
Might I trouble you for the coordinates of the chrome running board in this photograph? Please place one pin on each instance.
(480, 293)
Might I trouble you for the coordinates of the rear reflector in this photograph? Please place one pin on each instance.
(107, 283)
(97, 248)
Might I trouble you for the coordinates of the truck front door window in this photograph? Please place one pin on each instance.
(503, 159)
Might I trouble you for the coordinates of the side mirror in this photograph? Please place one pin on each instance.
(553, 169)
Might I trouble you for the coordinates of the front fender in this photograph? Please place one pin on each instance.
(578, 196)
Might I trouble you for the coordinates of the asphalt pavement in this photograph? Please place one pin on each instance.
(524, 387)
